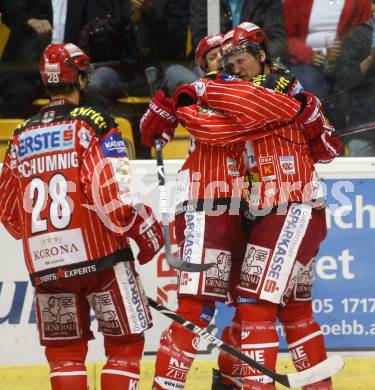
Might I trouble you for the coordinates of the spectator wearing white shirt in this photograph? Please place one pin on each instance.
(315, 29)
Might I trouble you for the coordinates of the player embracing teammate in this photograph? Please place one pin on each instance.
(282, 138)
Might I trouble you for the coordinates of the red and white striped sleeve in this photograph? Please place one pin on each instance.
(250, 105)
(214, 128)
(105, 179)
(9, 212)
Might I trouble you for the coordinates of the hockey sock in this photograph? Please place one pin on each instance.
(122, 369)
(67, 367)
(227, 363)
(306, 346)
(68, 375)
(178, 345)
(259, 340)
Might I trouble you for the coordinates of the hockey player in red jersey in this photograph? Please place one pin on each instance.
(289, 224)
(254, 113)
(211, 177)
(64, 190)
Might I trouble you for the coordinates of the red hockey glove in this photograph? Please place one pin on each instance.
(147, 233)
(160, 117)
(185, 95)
(325, 147)
(311, 115)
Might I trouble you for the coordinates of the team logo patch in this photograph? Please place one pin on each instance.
(253, 267)
(84, 137)
(303, 288)
(200, 88)
(58, 316)
(267, 168)
(217, 277)
(232, 167)
(106, 314)
(287, 165)
(113, 145)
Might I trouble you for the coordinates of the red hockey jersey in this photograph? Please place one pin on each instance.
(277, 154)
(64, 190)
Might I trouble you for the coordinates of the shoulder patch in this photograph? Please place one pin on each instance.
(112, 145)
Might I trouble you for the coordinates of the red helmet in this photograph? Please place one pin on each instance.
(206, 44)
(227, 44)
(60, 65)
(249, 34)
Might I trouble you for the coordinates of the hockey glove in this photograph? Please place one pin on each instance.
(159, 120)
(185, 95)
(325, 147)
(311, 116)
(147, 233)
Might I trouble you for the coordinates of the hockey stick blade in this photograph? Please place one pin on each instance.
(174, 262)
(184, 266)
(163, 205)
(323, 370)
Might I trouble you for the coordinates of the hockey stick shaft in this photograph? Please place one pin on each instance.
(316, 373)
(151, 74)
(163, 205)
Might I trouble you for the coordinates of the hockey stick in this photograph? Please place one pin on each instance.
(163, 206)
(151, 76)
(325, 369)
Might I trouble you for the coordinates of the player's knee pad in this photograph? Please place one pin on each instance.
(197, 310)
(295, 311)
(122, 369)
(67, 366)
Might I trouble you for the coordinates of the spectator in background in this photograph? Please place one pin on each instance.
(125, 37)
(355, 82)
(33, 25)
(315, 30)
(267, 14)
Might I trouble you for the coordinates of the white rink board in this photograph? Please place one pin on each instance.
(18, 337)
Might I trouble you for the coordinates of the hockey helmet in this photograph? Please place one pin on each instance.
(227, 44)
(61, 64)
(206, 44)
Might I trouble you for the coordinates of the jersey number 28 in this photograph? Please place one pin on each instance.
(59, 207)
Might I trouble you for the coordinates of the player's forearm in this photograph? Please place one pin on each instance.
(250, 104)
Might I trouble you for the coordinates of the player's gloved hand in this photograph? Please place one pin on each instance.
(325, 147)
(159, 118)
(311, 115)
(147, 233)
(185, 95)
